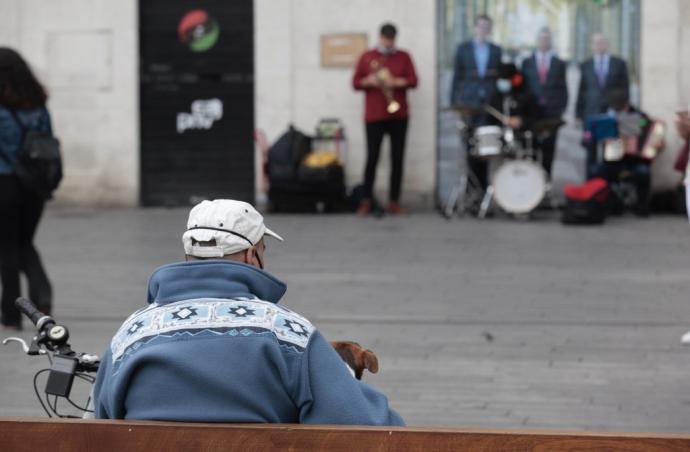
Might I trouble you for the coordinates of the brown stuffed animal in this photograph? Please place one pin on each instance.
(357, 357)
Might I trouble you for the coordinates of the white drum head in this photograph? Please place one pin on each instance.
(488, 141)
(519, 185)
(489, 130)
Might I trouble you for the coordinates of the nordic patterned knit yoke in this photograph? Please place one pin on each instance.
(210, 317)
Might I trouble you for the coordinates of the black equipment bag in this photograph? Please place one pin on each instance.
(313, 186)
(586, 203)
(39, 162)
(329, 178)
(286, 155)
(296, 187)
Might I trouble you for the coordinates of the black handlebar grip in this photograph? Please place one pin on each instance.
(27, 308)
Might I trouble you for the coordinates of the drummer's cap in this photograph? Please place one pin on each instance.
(507, 70)
(223, 226)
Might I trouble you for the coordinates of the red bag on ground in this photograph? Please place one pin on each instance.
(586, 203)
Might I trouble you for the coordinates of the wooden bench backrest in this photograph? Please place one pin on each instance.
(36, 434)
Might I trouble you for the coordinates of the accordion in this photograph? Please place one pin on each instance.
(627, 134)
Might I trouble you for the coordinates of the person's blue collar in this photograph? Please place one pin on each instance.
(212, 279)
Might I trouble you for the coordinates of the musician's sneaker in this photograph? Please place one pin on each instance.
(394, 208)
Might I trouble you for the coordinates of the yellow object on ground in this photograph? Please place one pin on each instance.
(321, 159)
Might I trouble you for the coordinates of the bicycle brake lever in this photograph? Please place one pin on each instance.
(17, 339)
(22, 342)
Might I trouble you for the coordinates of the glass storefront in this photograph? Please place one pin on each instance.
(516, 23)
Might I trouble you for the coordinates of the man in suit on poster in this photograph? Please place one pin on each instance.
(474, 83)
(601, 75)
(544, 74)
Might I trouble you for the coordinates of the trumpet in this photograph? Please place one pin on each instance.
(385, 78)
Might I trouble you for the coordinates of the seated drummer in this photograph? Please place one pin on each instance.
(632, 166)
(510, 105)
(513, 100)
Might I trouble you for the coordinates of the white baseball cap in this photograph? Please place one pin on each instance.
(234, 225)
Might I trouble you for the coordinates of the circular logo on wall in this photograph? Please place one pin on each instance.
(198, 30)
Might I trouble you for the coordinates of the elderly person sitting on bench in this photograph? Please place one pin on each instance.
(214, 345)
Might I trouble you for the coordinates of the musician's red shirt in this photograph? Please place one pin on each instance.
(399, 63)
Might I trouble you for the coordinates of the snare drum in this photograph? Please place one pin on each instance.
(487, 142)
(519, 185)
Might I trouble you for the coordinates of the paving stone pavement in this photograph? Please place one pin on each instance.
(496, 324)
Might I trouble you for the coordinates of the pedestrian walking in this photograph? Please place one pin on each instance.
(22, 109)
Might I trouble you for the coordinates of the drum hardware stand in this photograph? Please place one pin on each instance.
(486, 202)
(452, 202)
(509, 138)
(466, 187)
(465, 193)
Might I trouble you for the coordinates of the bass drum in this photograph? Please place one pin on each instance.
(519, 185)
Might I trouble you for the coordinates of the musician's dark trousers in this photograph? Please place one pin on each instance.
(20, 212)
(591, 164)
(547, 145)
(479, 168)
(397, 130)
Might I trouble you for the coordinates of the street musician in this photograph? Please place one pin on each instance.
(630, 144)
(512, 104)
(385, 73)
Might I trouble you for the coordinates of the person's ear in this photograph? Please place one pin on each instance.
(250, 257)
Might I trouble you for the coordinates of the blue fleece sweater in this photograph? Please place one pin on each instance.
(214, 346)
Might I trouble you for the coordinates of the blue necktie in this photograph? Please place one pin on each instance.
(601, 72)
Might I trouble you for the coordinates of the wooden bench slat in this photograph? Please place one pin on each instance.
(31, 434)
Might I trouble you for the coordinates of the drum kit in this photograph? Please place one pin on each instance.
(517, 181)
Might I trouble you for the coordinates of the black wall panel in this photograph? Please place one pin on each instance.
(178, 167)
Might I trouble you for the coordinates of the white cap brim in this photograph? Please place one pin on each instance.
(273, 234)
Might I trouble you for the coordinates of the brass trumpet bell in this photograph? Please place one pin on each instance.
(393, 107)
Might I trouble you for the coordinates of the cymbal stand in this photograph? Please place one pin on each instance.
(467, 190)
(486, 201)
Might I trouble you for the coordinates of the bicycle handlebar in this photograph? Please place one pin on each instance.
(66, 364)
(29, 309)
